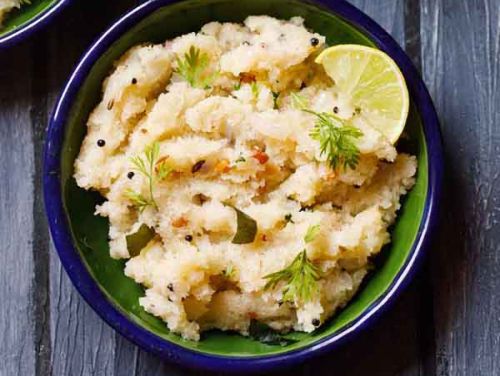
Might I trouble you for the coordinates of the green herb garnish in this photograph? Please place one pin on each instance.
(139, 239)
(139, 201)
(193, 67)
(246, 228)
(336, 140)
(241, 158)
(336, 137)
(255, 89)
(152, 171)
(265, 334)
(229, 272)
(299, 101)
(311, 233)
(300, 277)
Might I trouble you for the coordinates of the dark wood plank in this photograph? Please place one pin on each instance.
(462, 69)
(41, 237)
(82, 344)
(17, 348)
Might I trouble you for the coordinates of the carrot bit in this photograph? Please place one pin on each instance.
(222, 166)
(261, 156)
(179, 222)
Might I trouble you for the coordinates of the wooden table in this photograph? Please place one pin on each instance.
(446, 323)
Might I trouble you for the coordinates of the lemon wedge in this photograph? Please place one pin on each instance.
(372, 83)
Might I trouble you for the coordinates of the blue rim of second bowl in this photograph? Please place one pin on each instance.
(29, 27)
(96, 298)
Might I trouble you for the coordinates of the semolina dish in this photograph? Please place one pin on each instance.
(7, 5)
(240, 182)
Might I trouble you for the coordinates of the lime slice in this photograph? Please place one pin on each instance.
(372, 82)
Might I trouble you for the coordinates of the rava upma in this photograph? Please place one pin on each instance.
(240, 183)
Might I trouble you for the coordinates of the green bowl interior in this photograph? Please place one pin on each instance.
(90, 232)
(19, 17)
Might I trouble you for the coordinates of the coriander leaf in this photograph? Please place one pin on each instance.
(300, 278)
(139, 201)
(311, 233)
(336, 137)
(139, 239)
(337, 140)
(162, 171)
(193, 68)
(139, 165)
(255, 89)
(229, 272)
(246, 228)
(299, 101)
(147, 166)
(265, 334)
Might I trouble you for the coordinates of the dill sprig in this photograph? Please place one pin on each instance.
(299, 101)
(336, 138)
(193, 67)
(255, 89)
(229, 272)
(153, 170)
(300, 277)
(311, 233)
(139, 201)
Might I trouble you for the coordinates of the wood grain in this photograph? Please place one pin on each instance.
(446, 324)
(17, 347)
(461, 44)
(82, 344)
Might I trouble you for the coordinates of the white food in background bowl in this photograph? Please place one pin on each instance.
(8, 5)
(257, 156)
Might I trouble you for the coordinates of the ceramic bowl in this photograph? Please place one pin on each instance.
(20, 23)
(81, 238)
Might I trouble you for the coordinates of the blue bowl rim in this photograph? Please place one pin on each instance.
(34, 24)
(95, 297)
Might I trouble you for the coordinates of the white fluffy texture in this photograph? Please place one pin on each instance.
(230, 126)
(6, 6)
(140, 75)
(273, 46)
